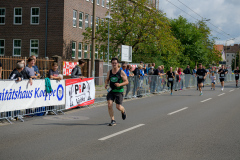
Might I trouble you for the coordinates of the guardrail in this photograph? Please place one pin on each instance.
(137, 87)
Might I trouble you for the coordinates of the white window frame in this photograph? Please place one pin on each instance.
(92, 1)
(34, 47)
(17, 48)
(3, 47)
(86, 21)
(80, 20)
(103, 3)
(3, 16)
(74, 49)
(32, 16)
(98, 2)
(85, 51)
(107, 4)
(75, 18)
(80, 50)
(14, 16)
(97, 23)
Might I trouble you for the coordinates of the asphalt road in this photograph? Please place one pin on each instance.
(184, 126)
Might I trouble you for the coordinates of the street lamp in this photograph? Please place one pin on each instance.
(206, 19)
(108, 17)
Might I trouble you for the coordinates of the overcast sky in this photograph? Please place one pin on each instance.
(224, 14)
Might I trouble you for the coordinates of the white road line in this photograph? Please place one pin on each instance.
(121, 132)
(177, 111)
(206, 100)
(221, 94)
(231, 90)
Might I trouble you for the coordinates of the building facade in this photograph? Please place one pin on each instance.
(48, 27)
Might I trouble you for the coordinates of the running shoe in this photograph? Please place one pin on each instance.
(113, 123)
(171, 94)
(222, 89)
(124, 115)
(211, 88)
(201, 94)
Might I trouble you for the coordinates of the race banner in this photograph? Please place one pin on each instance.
(68, 67)
(21, 95)
(79, 92)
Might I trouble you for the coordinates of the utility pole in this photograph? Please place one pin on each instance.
(93, 38)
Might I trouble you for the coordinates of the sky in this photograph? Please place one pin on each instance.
(224, 16)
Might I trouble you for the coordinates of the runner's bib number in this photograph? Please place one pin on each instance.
(237, 75)
(200, 77)
(170, 79)
(222, 75)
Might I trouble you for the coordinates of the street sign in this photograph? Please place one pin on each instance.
(126, 53)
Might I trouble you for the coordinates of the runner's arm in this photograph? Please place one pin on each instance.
(124, 78)
(107, 80)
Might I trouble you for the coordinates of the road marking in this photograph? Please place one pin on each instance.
(206, 100)
(177, 111)
(121, 132)
(221, 94)
(231, 90)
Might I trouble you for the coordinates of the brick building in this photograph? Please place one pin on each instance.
(48, 27)
(231, 52)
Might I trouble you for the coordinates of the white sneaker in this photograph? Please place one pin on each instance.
(222, 89)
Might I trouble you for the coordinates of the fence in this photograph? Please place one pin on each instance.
(137, 87)
(9, 63)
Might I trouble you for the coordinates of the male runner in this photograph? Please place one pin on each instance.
(170, 78)
(201, 73)
(236, 72)
(222, 72)
(117, 79)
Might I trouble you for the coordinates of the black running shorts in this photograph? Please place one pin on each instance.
(236, 78)
(115, 96)
(200, 81)
(221, 79)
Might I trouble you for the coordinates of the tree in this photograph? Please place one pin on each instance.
(145, 29)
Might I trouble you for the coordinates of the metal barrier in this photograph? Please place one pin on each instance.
(137, 87)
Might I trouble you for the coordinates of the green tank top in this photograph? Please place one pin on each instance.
(116, 78)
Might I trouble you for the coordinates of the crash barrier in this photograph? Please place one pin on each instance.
(153, 84)
(18, 99)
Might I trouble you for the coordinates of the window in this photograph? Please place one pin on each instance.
(34, 47)
(98, 2)
(2, 47)
(91, 21)
(2, 16)
(18, 16)
(92, 1)
(103, 3)
(107, 5)
(74, 18)
(87, 0)
(80, 19)
(97, 23)
(85, 51)
(17, 47)
(86, 21)
(96, 52)
(73, 49)
(79, 50)
(227, 54)
(35, 15)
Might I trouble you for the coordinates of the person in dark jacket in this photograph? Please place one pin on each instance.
(77, 70)
(17, 75)
(187, 73)
(0, 70)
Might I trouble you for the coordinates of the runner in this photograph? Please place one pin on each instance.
(222, 72)
(213, 78)
(117, 79)
(201, 73)
(236, 72)
(170, 78)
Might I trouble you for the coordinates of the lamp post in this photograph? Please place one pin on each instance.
(108, 17)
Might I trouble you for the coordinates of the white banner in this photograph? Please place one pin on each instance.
(21, 95)
(79, 92)
(126, 53)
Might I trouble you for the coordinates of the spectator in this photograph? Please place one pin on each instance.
(54, 73)
(176, 79)
(163, 82)
(187, 73)
(124, 68)
(17, 75)
(155, 79)
(77, 70)
(36, 70)
(153, 64)
(136, 73)
(29, 69)
(0, 70)
(129, 75)
(195, 80)
(23, 72)
(180, 73)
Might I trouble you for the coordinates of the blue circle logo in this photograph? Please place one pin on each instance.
(60, 92)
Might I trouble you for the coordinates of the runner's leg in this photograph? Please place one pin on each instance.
(110, 109)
